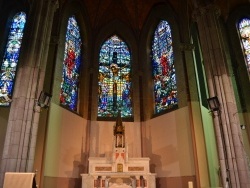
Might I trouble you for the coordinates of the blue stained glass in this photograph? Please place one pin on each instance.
(71, 66)
(114, 86)
(10, 59)
(244, 30)
(165, 89)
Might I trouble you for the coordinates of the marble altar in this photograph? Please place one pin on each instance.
(120, 171)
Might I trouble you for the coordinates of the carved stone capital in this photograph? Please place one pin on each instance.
(204, 10)
(198, 12)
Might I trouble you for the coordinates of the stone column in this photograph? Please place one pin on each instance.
(151, 181)
(46, 24)
(20, 141)
(133, 182)
(87, 181)
(137, 180)
(107, 181)
(98, 181)
(196, 128)
(232, 156)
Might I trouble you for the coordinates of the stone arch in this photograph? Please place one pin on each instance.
(120, 29)
(159, 12)
(71, 9)
(238, 62)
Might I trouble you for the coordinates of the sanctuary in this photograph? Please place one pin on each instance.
(120, 171)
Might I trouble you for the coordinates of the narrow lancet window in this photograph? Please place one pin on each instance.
(244, 31)
(71, 66)
(11, 58)
(114, 86)
(164, 78)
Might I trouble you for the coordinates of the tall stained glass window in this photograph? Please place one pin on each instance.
(114, 86)
(10, 59)
(165, 89)
(244, 30)
(71, 66)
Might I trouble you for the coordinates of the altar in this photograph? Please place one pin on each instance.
(120, 171)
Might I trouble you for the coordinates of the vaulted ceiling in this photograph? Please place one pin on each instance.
(131, 12)
(135, 12)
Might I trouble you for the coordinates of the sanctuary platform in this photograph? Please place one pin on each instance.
(120, 171)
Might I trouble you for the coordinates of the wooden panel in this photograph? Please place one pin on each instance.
(135, 168)
(103, 168)
(180, 182)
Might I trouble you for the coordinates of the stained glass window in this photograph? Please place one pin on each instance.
(10, 59)
(114, 86)
(244, 30)
(71, 66)
(165, 89)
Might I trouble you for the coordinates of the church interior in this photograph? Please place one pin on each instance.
(125, 93)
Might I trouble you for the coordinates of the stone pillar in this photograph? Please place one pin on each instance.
(46, 24)
(232, 156)
(196, 127)
(97, 181)
(87, 180)
(137, 179)
(133, 182)
(107, 182)
(103, 179)
(142, 182)
(20, 141)
(151, 181)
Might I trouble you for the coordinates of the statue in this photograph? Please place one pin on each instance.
(119, 132)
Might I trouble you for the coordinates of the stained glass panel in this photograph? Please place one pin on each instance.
(114, 86)
(165, 89)
(10, 59)
(244, 30)
(71, 66)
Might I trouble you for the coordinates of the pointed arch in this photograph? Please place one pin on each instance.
(11, 58)
(71, 66)
(163, 70)
(239, 65)
(244, 32)
(114, 79)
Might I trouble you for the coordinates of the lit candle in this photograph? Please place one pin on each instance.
(190, 184)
